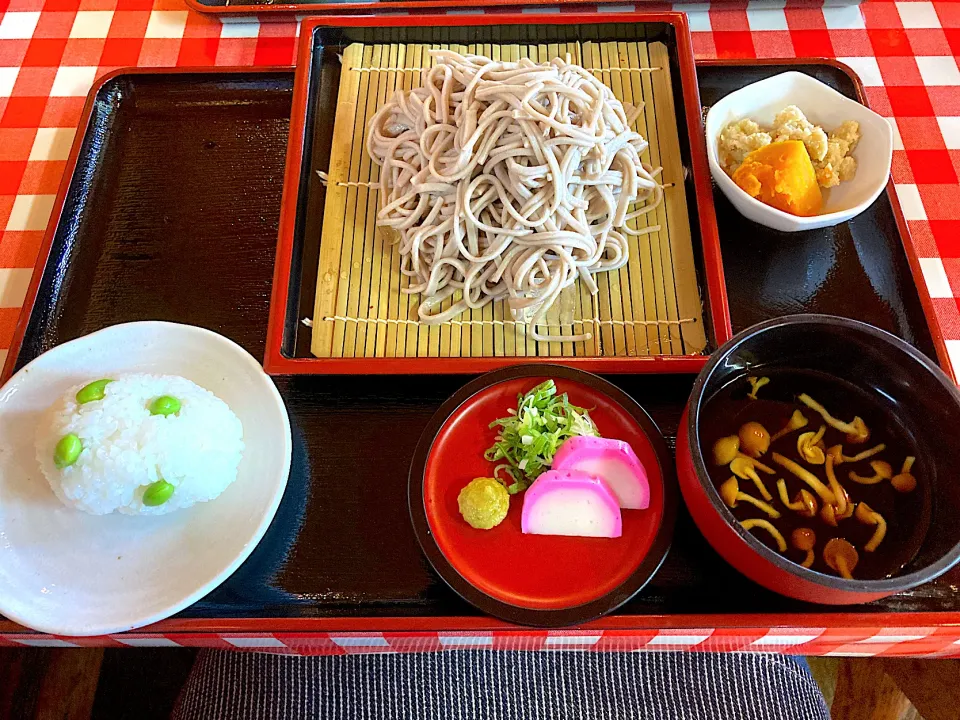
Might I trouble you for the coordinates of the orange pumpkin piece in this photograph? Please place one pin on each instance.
(781, 175)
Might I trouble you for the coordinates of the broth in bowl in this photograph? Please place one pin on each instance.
(818, 470)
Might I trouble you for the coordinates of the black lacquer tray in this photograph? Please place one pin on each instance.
(864, 269)
(172, 214)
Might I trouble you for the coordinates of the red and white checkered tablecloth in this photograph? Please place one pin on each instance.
(871, 640)
(52, 51)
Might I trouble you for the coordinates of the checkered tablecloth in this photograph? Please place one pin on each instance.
(52, 51)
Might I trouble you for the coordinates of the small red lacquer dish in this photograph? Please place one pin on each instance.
(539, 580)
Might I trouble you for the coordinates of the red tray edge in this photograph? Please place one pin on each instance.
(622, 623)
(627, 624)
(276, 363)
(43, 254)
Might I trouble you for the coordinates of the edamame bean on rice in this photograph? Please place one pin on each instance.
(126, 449)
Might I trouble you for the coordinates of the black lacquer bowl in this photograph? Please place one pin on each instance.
(924, 401)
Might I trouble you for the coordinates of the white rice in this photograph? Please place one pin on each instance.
(125, 448)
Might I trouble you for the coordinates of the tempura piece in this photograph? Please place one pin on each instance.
(829, 153)
(791, 124)
(739, 139)
(838, 165)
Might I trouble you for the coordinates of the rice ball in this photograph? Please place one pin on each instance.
(139, 444)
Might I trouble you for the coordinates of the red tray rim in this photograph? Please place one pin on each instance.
(615, 623)
(43, 254)
(625, 624)
(276, 363)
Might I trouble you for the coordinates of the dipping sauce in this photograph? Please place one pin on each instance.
(905, 514)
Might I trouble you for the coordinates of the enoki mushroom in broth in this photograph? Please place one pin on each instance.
(508, 181)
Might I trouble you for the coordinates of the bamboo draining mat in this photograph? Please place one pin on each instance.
(651, 306)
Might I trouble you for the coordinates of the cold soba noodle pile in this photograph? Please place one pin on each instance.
(508, 180)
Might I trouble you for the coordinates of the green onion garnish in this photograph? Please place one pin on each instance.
(529, 436)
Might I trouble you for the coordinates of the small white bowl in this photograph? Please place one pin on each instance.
(825, 107)
(68, 573)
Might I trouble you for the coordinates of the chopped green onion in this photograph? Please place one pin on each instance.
(530, 436)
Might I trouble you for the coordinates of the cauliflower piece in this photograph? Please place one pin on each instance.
(791, 124)
(739, 139)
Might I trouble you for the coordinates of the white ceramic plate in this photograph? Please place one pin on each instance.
(65, 572)
(825, 107)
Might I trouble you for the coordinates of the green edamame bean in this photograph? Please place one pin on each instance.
(165, 405)
(93, 391)
(67, 451)
(157, 493)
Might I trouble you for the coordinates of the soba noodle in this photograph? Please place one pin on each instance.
(508, 181)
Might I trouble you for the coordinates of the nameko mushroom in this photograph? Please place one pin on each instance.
(855, 430)
(744, 468)
(755, 384)
(810, 446)
(864, 455)
(754, 439)
(830, 512)
(804, 539)
(727, 449)
(881, 471)
(841, 557)
(797, 420)
(765, 524)
(802, 519)
(803, 503)
(825, 493)
(904, 481)
(842, 499)
(730, 492)
(868, 516)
